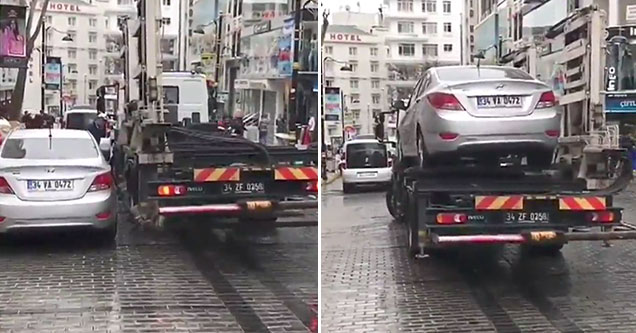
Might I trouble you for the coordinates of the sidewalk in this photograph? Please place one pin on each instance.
(331, 177)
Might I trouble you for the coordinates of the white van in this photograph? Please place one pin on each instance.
(366, 162)
(186, 92)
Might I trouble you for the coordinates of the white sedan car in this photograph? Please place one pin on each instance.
(55, 179)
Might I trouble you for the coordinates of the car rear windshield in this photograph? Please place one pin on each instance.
(366, 155)
(468, 74)
(80, 120)
(49, 149)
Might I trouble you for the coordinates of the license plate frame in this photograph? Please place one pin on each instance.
(527, 217)
(49, 185)
(499, 101)
(367, 174)
(243, 188)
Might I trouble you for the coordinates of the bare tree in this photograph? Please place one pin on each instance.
(17, 98)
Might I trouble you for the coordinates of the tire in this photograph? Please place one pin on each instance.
(390, 203)
(543, 250)
(108, 236)
(422, 154)
(412, 229)
(347, 188)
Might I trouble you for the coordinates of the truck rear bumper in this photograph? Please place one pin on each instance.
(533, 237)
(265, 207)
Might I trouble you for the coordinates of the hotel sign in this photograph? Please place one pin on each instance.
(64, 7)
(345, 37)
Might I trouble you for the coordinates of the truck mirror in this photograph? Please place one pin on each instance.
(399, 105)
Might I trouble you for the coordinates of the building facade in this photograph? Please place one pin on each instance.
(420, 34)
(362, 53)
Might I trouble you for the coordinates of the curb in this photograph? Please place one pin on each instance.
(329, 181)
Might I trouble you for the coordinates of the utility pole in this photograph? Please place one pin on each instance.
(43, 60)
(293, 94)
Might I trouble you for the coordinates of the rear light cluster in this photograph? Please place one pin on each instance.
(443, 101)
(451, 218)
(102, 182)
(172, 190)
(547, 100)
(5, 188)
(601, 217)
(552, 133)
(312, 186)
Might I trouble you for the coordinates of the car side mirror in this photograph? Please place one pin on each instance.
(399, 105)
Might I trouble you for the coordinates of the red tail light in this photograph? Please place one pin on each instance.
(2, 218)
(103, 216)
(5, 188)
(547, 100)
(601, 217)
(450, 218)
(552, 133)
(448, 136)
(171, 190)
(442, 101)
(312, 186)
(102, 182)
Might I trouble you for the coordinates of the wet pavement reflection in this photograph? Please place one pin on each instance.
(370, 285)
(158, 282)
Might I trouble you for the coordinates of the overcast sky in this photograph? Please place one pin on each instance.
(367, 6)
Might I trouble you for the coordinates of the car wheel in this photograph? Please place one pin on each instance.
(541, 159)
(422, 154)
(390, 203)
(109, 235)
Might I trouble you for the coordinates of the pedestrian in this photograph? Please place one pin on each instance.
(98, 127)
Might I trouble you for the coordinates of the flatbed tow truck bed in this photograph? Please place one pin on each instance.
(479, 205)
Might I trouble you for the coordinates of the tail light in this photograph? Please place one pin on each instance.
(443, 101)
(448, 136)
(102, 182)
(2, 218)
(552, 133)
(104, 216)
(450, 218)
(547, 100)
(601, 217)
(5, 188)
(171, 190)
(312, 186)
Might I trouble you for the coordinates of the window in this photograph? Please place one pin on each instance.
(429, 28)
(329, 83)
(448, 28)
(374, 51)
(38, 148)
(353, 51)
(171, 94)
(406, 50)
(375, 67)
(353, 65)
(355, 98)
(491, 73)
(72, 54)
(375, 84)
(448, 47)
(165, 21)
(166, 2)
(92, 84)
(92, 37)
(354, 84)
(429, 6)
(92, 99)
(446, 6)
(92, 22)
(72, 20)
(375, 98)
(405, 27)
(429, 49)
(405, 5)
(72, 35)
(72, 68)
(71, 84)
(329, 49)
(92, 69)
(49, 19)
(92, 54)
(355, 114)
(107, 23)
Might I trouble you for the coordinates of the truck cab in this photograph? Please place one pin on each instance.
(185, 95)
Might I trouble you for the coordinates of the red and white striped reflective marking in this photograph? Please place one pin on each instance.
(514, 202)
(217, 175)
(290, 173)
(582, 203)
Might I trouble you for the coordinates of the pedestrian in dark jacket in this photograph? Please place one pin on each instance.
(98, 127)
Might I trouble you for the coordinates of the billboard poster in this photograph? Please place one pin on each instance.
(620, 103)
(333, 103)
(53, 73)
(13, 36)
(286, 49)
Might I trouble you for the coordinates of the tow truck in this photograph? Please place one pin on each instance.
(540, 209)
(193, 170)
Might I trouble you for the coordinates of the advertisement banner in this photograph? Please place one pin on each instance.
(53, 73)
(333, 103)
(13, 36)
(268, 53)
(620, 103)
(286, 49)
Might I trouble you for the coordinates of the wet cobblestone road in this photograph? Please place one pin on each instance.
(370, 285)
(151, 282)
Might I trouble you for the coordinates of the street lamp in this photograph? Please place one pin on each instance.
(66, 38)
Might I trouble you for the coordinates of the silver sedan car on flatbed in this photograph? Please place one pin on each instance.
(55, 179)
(481, 112)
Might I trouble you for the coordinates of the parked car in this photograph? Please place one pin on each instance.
(80, 118)
(55, 179)
(481, 112)
(365, 162)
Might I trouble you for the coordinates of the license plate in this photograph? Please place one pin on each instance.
(49, 185)
(244, 188)
(498, 101)
(527, 217)
(367, 174)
